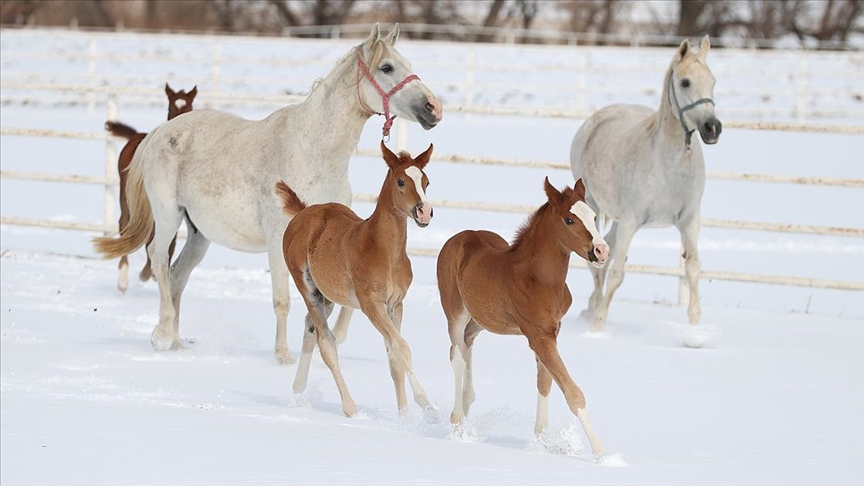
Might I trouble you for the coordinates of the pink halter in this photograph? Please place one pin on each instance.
(385, 97)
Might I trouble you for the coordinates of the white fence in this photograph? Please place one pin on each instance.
(109, 180)
(795, 75)
(799, 77)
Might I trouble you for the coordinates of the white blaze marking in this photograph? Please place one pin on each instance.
(586, 215)
(179, 103)
(417, 175)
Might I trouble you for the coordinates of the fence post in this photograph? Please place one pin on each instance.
(91, 76)
(217, 66)
(801, 92)
(582, 63)
(108, 218)
(469, 79)
(401, 134)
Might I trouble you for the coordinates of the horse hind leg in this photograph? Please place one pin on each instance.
(168, 220)
(468, 395)
(457, 325)
(190, 256)
(302, 376)
(281, 299)
(318, 307)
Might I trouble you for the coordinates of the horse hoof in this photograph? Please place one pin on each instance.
(350, 409)
(587, 315)
(284, 357)
(430, 415)
(162, 341)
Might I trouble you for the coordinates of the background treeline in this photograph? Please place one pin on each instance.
(815, 23)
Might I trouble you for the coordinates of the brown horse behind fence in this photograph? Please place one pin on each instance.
(179, 102)
(520, 289)
(336, 257)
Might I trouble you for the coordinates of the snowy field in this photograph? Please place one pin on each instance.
(776, 397)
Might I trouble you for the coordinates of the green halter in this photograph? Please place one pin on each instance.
(688, 134)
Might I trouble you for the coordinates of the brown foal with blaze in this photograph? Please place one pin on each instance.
(334, 256)
(179, 102)
(520, 289)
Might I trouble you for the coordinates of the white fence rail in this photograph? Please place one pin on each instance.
(796, 76)
(798, 81)
(110, 179)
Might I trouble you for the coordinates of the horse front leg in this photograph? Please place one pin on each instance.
(692, 267)
(340, 328)
(545, 348)
(618, 255)
(375, 311)
(397, 372)
(544, 386)
(599, 277)
(281, 299)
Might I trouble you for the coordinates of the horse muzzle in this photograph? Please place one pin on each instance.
(710, 131)
(428, 112)
(422, 214)
(599, 254)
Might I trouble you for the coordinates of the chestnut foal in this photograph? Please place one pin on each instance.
(520, 289)
(336, 257)
(179, 102)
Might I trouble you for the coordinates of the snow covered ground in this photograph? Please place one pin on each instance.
(776, 397)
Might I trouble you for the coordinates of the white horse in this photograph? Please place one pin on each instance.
(218, 171)
(640, 170)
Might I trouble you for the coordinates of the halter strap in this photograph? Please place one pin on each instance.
(385, 97)
(688, 134)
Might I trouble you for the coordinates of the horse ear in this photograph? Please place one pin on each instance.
(704, 47)
(552, 194)
(683, 49)
(423, 158)
(389, 157)
(393, 36)
(579, 189)
(194, 91)
(168, 90)
(374, 35)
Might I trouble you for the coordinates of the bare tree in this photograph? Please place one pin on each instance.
(689, 12)
(318, 12)
(595, 16)
(18, 12)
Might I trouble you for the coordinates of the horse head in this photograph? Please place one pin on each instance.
(691, 92)
(179, 102)
(387, 83)
(575, 227)
(408, 184)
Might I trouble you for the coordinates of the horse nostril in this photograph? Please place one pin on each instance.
(430, 107)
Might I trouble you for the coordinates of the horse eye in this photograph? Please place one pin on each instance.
(400, 183)
(387, 68)
(685, 83)
(568, 220)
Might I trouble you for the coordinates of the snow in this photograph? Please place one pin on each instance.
(773, 395)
